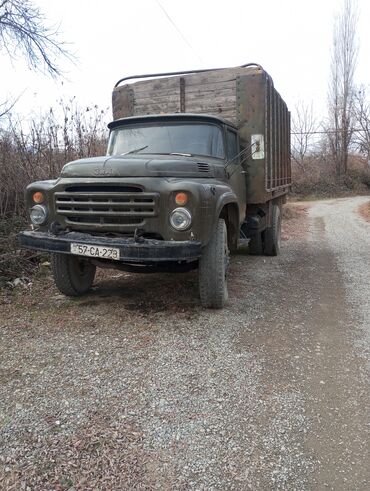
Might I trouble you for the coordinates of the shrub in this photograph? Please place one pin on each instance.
(38, 150)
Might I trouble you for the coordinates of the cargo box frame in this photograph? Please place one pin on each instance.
(243, 95)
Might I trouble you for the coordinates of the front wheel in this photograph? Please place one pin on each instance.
(73, 275)
(213, 269)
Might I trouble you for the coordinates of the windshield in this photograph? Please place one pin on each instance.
(188, 139)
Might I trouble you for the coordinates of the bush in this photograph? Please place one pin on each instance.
(34, 152)
(39, 150)
(15, 263)
(323, 184)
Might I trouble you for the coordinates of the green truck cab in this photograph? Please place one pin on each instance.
(195, 161)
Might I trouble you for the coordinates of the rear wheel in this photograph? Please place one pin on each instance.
(272, 235)
(213, 269)
(255, 245)
(73, 275)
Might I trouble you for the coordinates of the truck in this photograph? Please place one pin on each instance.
(197, 162)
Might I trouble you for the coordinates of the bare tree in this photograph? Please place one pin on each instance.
(361, 137)
(7, 106)
(23, 31)
(341, 86)
(304, 125)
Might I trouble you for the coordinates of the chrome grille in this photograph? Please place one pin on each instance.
(104, 208)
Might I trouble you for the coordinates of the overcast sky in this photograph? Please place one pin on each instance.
(291, 39)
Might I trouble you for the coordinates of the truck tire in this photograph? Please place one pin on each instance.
(255, 245)
(213, 268)
(73, 275)
(272, 235)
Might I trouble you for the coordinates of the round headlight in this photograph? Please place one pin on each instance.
(38, 214)
(180, 219)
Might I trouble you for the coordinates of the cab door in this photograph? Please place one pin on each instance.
(234, 171)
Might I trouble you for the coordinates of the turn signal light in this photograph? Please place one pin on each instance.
(38, 197)
(181, 199)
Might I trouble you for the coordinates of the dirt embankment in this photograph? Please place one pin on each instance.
(364, 211)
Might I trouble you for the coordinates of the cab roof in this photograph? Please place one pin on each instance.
(152, 118)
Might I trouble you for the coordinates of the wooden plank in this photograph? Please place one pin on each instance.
(227, 113)
(170, 83)
(210, 95)
(226, 75)
(213, 79)
(162, 98)
(199, 94)
(211, 87)
(217, 77)
(220, 103)
(157, 109)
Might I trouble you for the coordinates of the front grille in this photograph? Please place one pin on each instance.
(105, 207)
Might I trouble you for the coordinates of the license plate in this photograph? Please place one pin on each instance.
(95, 251)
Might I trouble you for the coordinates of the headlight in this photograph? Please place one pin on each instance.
(38, 214)
(180, 219)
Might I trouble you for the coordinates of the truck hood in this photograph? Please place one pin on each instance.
(141, 166)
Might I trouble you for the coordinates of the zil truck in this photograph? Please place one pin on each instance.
(196, 161)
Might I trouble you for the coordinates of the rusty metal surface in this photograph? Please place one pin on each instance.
(262, 111)
(278, 151)
(251, 121)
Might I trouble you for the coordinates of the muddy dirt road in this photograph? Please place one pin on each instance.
(135, 387)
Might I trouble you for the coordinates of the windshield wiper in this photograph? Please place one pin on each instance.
(181, 154)
(136, 150)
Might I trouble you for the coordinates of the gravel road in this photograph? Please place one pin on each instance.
(134, 386)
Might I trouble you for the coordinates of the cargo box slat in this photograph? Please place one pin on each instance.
(199, 93)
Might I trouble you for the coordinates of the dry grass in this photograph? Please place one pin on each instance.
(364, 211)
(319, 180)
(37, 150)
(295, 223)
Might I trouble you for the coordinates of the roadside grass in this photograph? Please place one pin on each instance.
(16, 263)
(296, 198)
(325, 186)
(294, 222)
(364, 211)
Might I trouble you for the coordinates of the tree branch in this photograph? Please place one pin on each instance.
(23, 30)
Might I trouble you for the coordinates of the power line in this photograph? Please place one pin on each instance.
(323, 132)
(178, 30)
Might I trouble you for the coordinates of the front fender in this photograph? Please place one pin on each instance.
(217, 197)
(225, 199)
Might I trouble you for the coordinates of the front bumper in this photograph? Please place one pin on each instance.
(141, 251)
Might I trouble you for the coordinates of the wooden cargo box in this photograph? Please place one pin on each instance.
(245, 96)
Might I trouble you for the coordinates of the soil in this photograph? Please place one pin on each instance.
(364, 210)
(134, 386)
